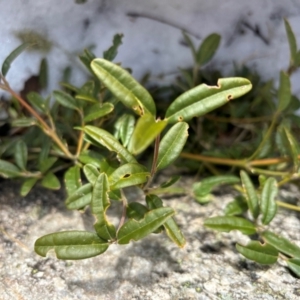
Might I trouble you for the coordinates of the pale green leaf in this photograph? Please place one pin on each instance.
(124, 128)
(50, 181)
(292, 41)
(21, 154)
(9, 170)
(294, 265)
(91, 173)
(23, 122)
(97, 111)
(65, 99)
(27, 186)
(72, 180)
(80, 198)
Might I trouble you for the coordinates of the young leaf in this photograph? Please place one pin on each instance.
(172, 144)
(292, 41)
(203, 98)
(12, 56)
(170, 182)
(128, 175)
(72, 180)
(27, 186)
(112, 52)
(136, 211)
(50, 181)
(99, 206)
(65, 99)
(97, 111)
(37, 101)
(9, 170)
(226, 224)
(91, 173)
(294, 265)
(124, 128)
(237, 207)
(108, 141)
(136, 230)
(170, 225)
(251, 194)
(261, 253)
(21, 154)
(146, 130)
(268, 205)
(80, 198)
(284, 92)
(281, 244)
(71, 244)
(124, 87)
(208, 48)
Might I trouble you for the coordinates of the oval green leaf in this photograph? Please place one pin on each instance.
(261, 253)
(97, 111)
(208, 48)
(226, 224)
(47, 163)
(146, 130)
(203, 98)
(124, 128)
(172, 144)
(80, 198)
(268, 204)
(71, 244)
(292, 41)
(237, 207)
(107, 140)
(21, 154)
(128, 175)
(251, 195)
(37, 101)
(23, 122)
(284, 92)
(136, 211)
(9, 170)
(294, 265)
(136, 230)
(65, 99)
(27, 185)
(50, 181)
(281, 244)
(72, 180)
(91, 173)
(124, 87)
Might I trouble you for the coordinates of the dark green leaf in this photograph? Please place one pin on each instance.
(208, 48)
(284, 92)
(43, 74)
(191, 45)
(37, 101)
(172, 144)
(136, 230)
(12, 56)
(292, 41)
(292, 146)
(99, 205)
(21, 154)
(237, 207)
(109, 141)
(294, 265)
(170, 182)
(50, 181)
(9, 170)
(27, 186)
(112, 52)
(123, 86)
(261, 253)
(71, 244)
(268, 204)
(91, 157)
(203, 98)
(65, 99)
(47, 163)
(281, 244)
(97, 111)
(251, 194)
(136, 211)
(226, 224)
(146, 130)
(128, 175)
(80, 198)
(72, 180)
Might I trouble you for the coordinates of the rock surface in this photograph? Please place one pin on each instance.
(154, 268)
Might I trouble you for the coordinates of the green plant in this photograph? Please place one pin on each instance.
(89, 135)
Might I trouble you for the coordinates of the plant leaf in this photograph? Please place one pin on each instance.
(203, 98)
(226, 224)
(123, 86)
(27, 186)
(251, 195)
(292, 146)
(97, 111)
(172, 144)
(292, 41)
(112, 52)
(146, 130)
(170, 182)
(65, 100)
(37, 101)
(268, 205)
(91, 157)
(43, 74)
(71, 244)
(261, 253)
(136, 211)
(128, 175)
(124, 128)
(284, 92)
(23, 122)
(99, 206)
(9, 170)
(47, 163)
(21, 154)
(208, 48)
(294, 265)
(190, 45)
(91, 173)
(72, 180)
(237, 207)
(136, 230)
(80, 198)
(50, 181)
(172, 230)
(281, 244)
(109, 141)
(12, 56)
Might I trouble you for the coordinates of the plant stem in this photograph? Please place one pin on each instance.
(289, 206)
